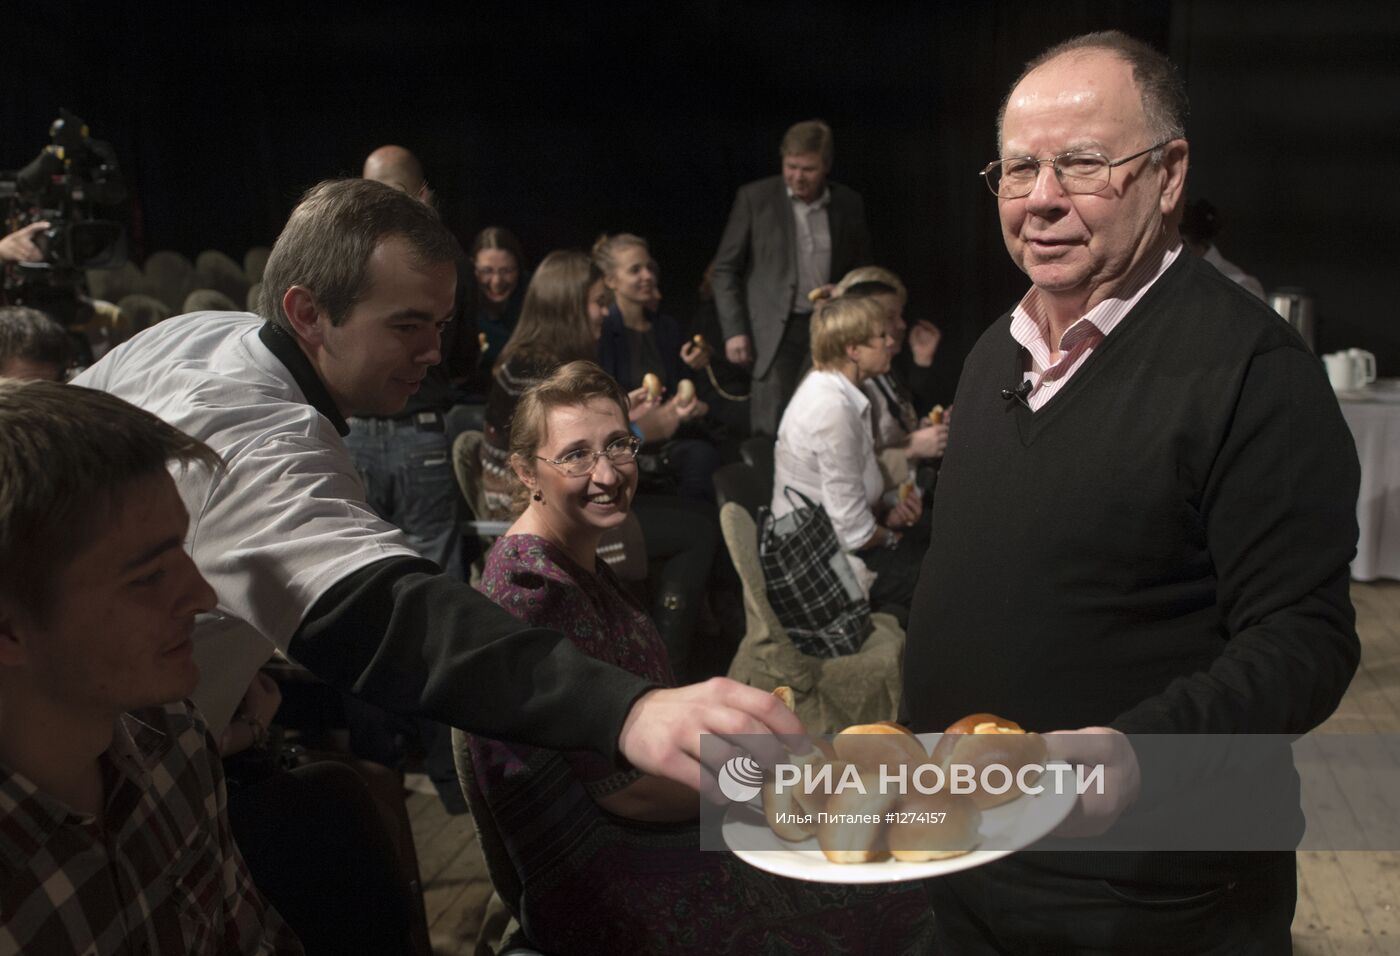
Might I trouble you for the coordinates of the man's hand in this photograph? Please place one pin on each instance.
(661, 735)
(923, 340)
(19, 245)
(928, 442)
(739, 350)
(1094, 813)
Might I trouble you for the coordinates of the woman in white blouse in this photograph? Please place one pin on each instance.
(826, 450)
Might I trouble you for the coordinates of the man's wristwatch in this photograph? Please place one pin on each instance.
(891, 539)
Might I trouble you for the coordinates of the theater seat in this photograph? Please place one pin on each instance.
(832, 692)
(499, 867)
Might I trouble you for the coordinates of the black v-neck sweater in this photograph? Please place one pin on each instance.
(1162, 548)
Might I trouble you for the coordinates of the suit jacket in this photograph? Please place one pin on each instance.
(755, 278)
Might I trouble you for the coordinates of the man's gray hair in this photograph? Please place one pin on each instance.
(30, 334)
(1163, 94)
(326, 244)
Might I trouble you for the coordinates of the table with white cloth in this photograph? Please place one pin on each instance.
(1373, 414)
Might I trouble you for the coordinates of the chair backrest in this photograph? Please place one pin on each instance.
(170, 277)
(758, 452)
(255, 263)
(110, 285)
(832, 692)
(625, 550)
(143, 311)
(493, 847)
(765, 634)
(216, 270)
(208, 300)
(742, 484)
(466, 464)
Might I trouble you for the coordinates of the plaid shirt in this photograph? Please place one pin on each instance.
(158, 874)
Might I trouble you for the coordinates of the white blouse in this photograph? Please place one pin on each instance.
(826, 450)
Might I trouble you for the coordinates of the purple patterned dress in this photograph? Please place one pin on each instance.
(598, 883)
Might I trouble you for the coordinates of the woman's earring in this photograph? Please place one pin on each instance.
(537, 496)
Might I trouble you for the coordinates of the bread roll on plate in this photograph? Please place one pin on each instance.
(933, 826)
(853, 830)
(885, 743)
(984, 740)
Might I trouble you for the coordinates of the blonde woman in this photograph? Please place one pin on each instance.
(916, 344)
(637, 341)
(826, 451)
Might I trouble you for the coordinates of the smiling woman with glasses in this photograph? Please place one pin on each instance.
(579, 462)
(608, 858)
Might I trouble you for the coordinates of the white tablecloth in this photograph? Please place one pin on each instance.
(1375, 424)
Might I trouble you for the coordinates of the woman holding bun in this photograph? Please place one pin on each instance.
(560, 320)
(560, 323)
(498, 264)
(608, 858)
(826, 450)
(637, 342)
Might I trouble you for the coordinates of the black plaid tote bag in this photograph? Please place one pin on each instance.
(810, 583)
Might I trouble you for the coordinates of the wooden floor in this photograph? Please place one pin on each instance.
(1348, 902)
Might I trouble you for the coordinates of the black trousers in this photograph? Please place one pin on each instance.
(897, 571)
(682, 534)
(769, 395)
(1011, 907)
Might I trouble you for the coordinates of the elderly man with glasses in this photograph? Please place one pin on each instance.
(1144, 522)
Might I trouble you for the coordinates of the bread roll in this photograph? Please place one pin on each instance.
(787, 816)
(853, 829)
(915, 837)
(935, 415)
(871, 745)
(786, 695)
(652, 384)
(685, 391)
(984, 740)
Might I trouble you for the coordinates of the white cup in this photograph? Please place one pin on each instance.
(1364, 365)
(1341, 371)
(1350, 370)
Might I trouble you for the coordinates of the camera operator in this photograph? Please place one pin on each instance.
(19, 245)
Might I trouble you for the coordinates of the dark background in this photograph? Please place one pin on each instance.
(562, 121)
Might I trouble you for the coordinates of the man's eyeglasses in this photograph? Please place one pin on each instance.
(581, 461)
(1079, 171)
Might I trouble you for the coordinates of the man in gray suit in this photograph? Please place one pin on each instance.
(786, 236)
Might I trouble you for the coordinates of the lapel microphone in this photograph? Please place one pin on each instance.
(1020, 393)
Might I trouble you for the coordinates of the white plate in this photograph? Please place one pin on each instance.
(1009, 827)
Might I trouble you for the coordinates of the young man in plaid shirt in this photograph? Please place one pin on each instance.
(113, 834)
